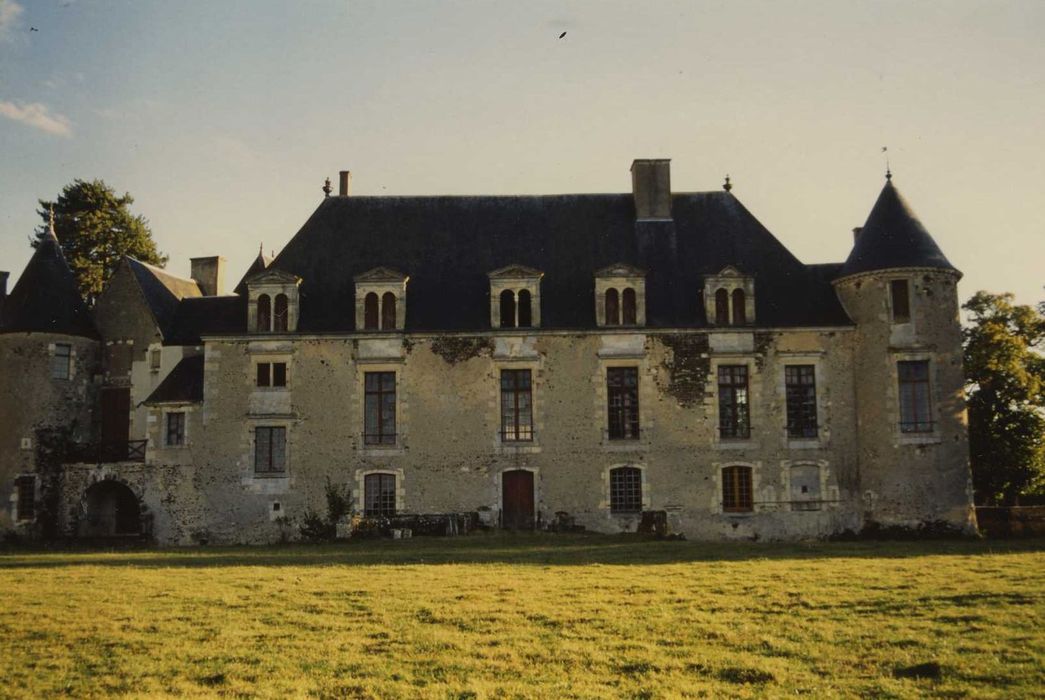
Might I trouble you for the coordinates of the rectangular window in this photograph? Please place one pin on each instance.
(379, 497)
(733, 416)
(899, 292)
(625, 490)
(175, 429)
(61, 361)
(516, 405)
(622, 390)
(380, 410)
(154, 358)
(800, 389)
(915, 404)
(270, 450)
(736, 490)
(272, 374)
(26, 504)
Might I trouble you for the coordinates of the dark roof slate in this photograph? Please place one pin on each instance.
(162, 291)
(46, 298)
(449, 244)
(183, 385)
(893, 237)
(196, 316)
(260, 263)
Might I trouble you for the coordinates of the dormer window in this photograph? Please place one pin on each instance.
(515, 297)
(620, 296)
(381, 300)
(272, 302)
(729, 298)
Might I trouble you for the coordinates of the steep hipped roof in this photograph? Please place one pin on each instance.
(183, 385)
(448, 245)
(162, 291)
(46, 298)
(893, 237)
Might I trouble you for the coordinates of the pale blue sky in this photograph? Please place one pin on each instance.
(223, 118)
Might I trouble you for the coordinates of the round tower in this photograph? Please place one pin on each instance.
(49, 351)
(901, 291)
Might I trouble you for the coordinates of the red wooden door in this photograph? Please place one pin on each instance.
(517, 500)
(116, 416)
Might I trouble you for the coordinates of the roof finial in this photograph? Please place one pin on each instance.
(327, 189)
(261, 249)
(888, 172)
(728, 185)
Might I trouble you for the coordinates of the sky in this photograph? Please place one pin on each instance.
(222, 119)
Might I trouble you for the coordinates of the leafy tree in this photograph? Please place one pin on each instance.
(96, 229)
(1005, 375)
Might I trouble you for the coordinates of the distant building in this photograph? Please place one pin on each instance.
(516, 356)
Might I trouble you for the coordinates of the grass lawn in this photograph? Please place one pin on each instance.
(529, 616)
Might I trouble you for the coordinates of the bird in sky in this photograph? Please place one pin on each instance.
(562, 35)
(33, 29)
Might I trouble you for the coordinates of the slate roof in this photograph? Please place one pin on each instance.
(448, 245)
(46, 298)
(893, 237)
(260, 263)
(162, 291)
(184, 384)
(207, 315)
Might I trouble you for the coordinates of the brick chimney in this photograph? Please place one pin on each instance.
(209, 274)
(651, 187)
(345, 185)
(856, 233)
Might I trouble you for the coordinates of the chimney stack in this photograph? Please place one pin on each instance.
(3, 291)
(651, 187)
(209, 274)
(856, 233)
(346, 183)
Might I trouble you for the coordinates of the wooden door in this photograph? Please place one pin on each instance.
(116, 418)
(517, 500)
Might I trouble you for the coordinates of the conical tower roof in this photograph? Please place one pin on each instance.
(893, 237)
(46, 298)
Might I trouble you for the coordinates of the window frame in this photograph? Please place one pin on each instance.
(612, 308)
(380, 395)
(265, 374)
(264, 313)
(729, 403)
(915, 428)
(280, 313)
(623, 420)
(513, 429)
(62, 361)
(25, 498)
(271, 431)
(384, 503)
(626, 490)
(734, 488)
(900, 303)
(180, 434)
(798, 408)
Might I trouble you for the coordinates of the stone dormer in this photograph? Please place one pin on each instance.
(381, 300)
(729, 298)
(272, 302)
(515, 297)
(620, 296)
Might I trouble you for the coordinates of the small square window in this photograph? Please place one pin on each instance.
(61, 361)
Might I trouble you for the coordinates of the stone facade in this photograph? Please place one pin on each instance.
(602, 422)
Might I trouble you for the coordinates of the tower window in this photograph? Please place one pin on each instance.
(739, 309)
(507, 309)
(388, 311)
(61, 361)
(722, 307)
(629, 308)
(899, 292)
(370, 312)
(612, 307)
(915, 402)
(264, 313)
(279, 314)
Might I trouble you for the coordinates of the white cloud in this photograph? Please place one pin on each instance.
(38, 116)
(10, 11)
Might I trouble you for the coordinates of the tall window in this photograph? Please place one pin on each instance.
(264, 313)
(622, 389)
(388, 311)
(739, 308)
(736, 490)
(380, 410)
(629, 308)
(516, 405)
(61, 361)
(272, 374)
(379, 495)
(525, 309)
(270, 450)
(370, 312)
(899, 292)
(279, 314)
(722, 308)
(800, 388)
(612, 307)
(155, 358)
(915, 404)
(175, 429)
(733, 417)
(25, 506)
(625, 490)
(507, 309)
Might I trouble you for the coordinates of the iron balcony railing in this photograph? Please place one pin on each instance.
(100, 452)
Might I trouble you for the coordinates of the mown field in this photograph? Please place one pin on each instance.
(529, 616)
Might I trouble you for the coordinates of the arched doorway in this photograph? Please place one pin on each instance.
(110, 509)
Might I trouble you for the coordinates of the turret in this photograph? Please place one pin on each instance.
(901, 291)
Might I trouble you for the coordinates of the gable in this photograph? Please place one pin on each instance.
(380, 274)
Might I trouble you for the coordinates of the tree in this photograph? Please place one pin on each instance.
(96, 229)
(1005, 375)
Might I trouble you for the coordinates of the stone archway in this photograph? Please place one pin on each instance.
(110, 509)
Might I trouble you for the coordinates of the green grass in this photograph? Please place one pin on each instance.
(529, 616)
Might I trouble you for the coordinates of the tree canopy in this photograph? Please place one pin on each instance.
(96, 229)
(1005, 375)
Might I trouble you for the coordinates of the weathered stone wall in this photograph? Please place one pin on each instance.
(449, 457)
(32, 399)
(910, 478)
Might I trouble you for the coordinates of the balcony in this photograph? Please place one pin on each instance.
(101, 452)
